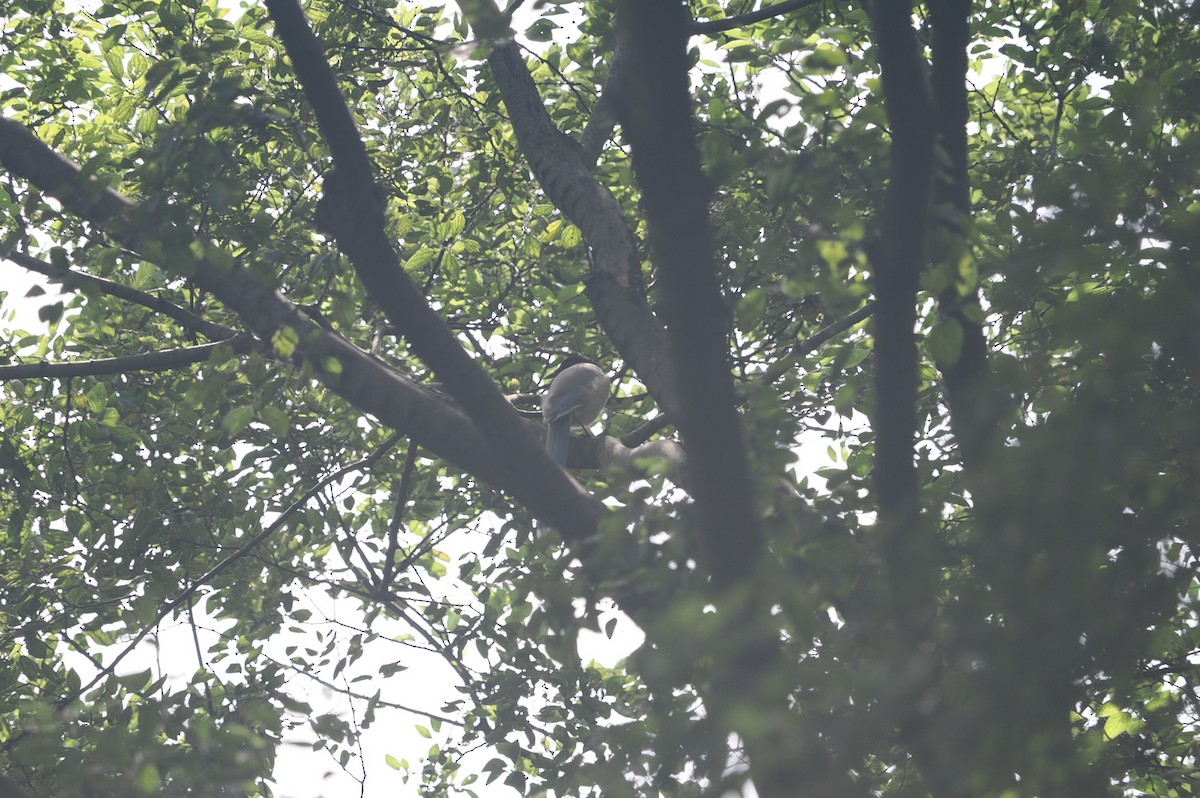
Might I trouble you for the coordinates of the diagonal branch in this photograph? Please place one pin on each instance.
(615, 287)
(603, 120)
(749, 18)
(74, 280)
(815, 341)
(146, 361)
(355, 216)
(363, 380)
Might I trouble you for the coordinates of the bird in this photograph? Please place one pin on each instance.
(578, 393)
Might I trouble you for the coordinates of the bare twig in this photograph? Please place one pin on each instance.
(402, 494)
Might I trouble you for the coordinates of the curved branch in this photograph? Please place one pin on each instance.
(145, 361)
(615, 287)
(73, 280)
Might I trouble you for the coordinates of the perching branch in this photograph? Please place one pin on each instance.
(147, 361)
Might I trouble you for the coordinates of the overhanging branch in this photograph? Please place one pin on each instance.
(363, 380)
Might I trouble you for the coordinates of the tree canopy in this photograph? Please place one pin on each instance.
(315, 263)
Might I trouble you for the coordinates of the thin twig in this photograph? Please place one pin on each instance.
(144, 361)
(228, 562)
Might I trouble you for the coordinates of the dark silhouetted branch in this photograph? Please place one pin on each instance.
(74, 280)
(976, 405)
(749, 18)
(656, 115)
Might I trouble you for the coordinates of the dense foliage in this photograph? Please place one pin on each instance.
(257, 448)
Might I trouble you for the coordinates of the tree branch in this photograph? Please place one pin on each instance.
(656, 115)
(145, 361)
(603, 120)
(815, 341)
(363, 380)
(897, 263)
(79, 281)
(749, 18)
(356, 219)
(975, 404)
(615, 286)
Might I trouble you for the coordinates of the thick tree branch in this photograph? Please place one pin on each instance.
(363, 380)
(741, 20)
(898, 261)
(360, 232)
(75, 281)
(975, 404)
(615, 286)
(908, 545)
(145, 361)
(745, 692)
(656, 115)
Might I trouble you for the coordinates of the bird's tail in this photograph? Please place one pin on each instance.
(558, 439)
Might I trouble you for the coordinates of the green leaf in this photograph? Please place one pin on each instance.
(944, 342)
(420, 259)
(237, 419)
